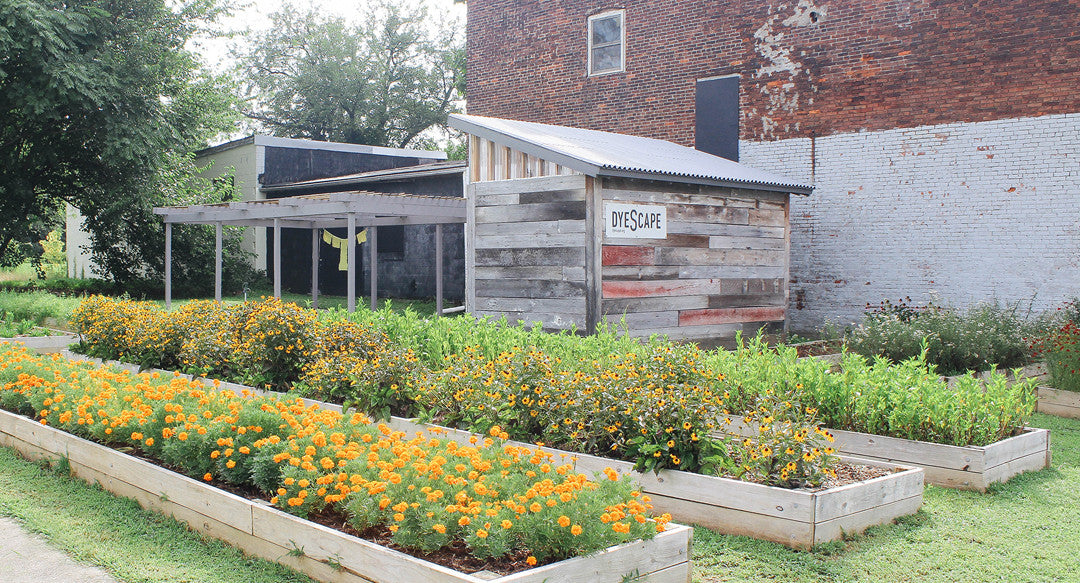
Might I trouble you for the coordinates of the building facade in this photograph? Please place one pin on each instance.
(942, 137)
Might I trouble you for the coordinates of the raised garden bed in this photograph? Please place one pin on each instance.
(796, 518)
(323, 553)
(44, 344)
(1058, 402)
(964, 467)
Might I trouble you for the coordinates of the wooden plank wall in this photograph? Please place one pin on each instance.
(490, 161)
(723, 267)
(528, 249)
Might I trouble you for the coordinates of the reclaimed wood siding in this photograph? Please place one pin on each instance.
(529, 250)
(722, 268)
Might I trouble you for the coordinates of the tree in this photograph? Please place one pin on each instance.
(94, 96)
(381, 83)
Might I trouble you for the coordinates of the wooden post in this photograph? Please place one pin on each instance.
(277, 258)
(438, 269)
(315, 268)
(217, 262)
(351, 284)
(168, 266)
(373, 241)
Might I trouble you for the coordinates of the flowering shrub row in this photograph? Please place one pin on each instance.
(984, 336)
(1061, 350)
(428, 492)
(654, 403)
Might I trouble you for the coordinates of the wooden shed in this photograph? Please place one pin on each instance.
(568, 226)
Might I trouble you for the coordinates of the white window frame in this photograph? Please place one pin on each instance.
(622, 42)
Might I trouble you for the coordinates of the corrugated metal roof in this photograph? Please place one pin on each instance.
(388, 175)
(598, 153)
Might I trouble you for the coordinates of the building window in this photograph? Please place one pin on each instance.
(607, 42)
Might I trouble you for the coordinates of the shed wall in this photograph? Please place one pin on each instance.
(528, 252)
(721, 269)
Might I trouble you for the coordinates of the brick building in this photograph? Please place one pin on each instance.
(942, 137)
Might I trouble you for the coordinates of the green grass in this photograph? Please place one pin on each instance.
(114, 533)
(1024, 530)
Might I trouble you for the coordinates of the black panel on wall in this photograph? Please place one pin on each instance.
(717, 117)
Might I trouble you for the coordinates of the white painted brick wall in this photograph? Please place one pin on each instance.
(958, 213)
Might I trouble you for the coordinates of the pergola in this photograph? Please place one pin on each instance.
(314, 212)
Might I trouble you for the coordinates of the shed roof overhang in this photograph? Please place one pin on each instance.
(314, 211)
(598, 153)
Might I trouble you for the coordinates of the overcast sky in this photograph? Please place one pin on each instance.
(256, 16)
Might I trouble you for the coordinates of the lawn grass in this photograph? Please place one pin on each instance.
(1024, 530)
(113, 533)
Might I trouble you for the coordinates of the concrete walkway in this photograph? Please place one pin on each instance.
(29, 558)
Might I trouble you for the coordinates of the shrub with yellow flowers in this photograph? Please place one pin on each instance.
(494, 498)
(788, 450)
(358, 367)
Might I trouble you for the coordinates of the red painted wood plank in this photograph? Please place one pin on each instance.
(628, 255)
(730, 315)
(663, 287)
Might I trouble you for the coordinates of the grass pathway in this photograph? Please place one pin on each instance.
(1025, 530)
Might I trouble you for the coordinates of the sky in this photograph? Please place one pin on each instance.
(255, 15)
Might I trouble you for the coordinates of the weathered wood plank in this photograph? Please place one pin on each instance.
(530, 240)
(529, 288)
(549, 321)
(720, 257)
(531, 227)
(640, 272)
(708, 214)
(673, 287)
(538, 184)
(768, 217)
(856, 522)
(672, 240)
(682, 227)
(867, 495)
(562, 256)
(628, 255)
(498, 199)
(621, 563)
(1031, 462)
(698, 333)
(646, 320)
(727, 242)
(364, 558)
(548, 305)
(574, 194)
(730, 315)
(731, 272)
(1006, 450)
(532, 272)
(736, 521)
(619, 306)
(548, 211)
(746, 300)
(1057, 402)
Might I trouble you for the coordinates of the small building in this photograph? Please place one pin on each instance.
(570, 227)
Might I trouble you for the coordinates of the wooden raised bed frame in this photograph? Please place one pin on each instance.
(795, 518)
(1058, 402)
(323, 553)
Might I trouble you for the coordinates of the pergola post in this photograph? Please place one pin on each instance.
(168, 266)
(438, 269)
(217, 262)
(373, 250)
(315, 268)
(351, 284)
(277, 258)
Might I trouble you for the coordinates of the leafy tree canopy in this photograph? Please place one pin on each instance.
(95, 95)
(383, 82)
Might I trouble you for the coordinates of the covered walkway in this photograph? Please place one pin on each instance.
(352, 210)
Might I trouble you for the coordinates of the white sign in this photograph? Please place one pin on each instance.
(635, 221)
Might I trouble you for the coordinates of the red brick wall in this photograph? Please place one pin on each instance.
(855, 64)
